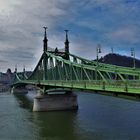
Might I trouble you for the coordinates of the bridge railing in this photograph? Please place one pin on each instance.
(117, 86)
(132, 86)
(94, 63)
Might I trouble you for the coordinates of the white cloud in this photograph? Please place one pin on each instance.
(21, 25)
(124, 34)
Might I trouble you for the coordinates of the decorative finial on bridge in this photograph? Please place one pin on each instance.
(66, 34)
(66, 42)
(45, 35)
(45, 41)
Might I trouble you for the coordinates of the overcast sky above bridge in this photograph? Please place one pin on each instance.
(111, 23)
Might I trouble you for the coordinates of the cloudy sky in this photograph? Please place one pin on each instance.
(111, 23)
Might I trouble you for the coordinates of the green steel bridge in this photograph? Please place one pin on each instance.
(61, 69)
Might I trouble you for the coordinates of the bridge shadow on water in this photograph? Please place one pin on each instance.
(25, 101)
(52, 125)
(99, 118)
(56, 125)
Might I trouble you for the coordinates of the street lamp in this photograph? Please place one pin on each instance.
(134, 62)
(133, 55)
(112, 50)
(98, 50)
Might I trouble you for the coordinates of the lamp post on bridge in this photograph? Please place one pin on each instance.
(134, 60)
(112, 50)
(133, 55)
(98, 50)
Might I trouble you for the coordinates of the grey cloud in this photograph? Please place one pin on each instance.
(21, 31)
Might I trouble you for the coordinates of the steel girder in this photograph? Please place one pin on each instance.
(54, 68)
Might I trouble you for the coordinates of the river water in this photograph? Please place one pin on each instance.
(99, 117)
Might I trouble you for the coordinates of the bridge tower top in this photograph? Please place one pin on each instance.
(66, 42)
(45, 41)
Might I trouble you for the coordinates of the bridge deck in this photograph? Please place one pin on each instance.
(132, 87)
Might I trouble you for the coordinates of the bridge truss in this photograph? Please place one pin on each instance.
(61, 69)
(54, 71)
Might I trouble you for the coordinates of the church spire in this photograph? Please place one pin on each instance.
(15, 68)
(66, 43)
(45, 41)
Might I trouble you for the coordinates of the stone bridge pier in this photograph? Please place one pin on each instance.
(55, 100)
(19, 89)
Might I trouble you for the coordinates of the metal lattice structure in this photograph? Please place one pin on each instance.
(59, 69)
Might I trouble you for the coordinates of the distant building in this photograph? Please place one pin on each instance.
(6, 78)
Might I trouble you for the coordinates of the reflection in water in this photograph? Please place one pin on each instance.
(52, 125)
(56, 125)
(24, 101)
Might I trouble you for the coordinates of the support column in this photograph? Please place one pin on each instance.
(58, 101)
(21, 90)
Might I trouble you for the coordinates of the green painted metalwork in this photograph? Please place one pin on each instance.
(57, 69)
(53, 71)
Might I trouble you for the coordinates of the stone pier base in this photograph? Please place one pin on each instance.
(19, 90)
(53, 102)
